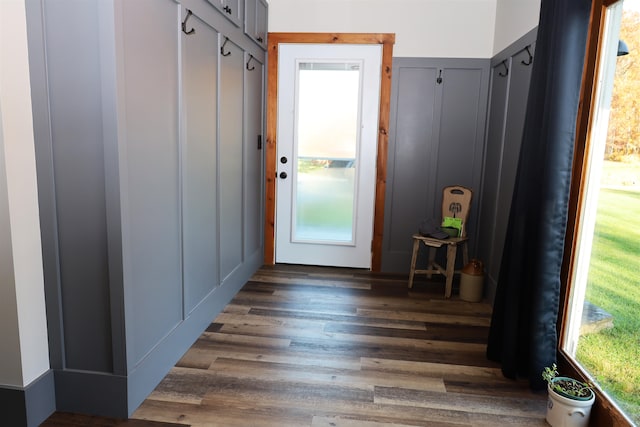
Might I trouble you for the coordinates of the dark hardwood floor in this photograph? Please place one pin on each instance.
(311, 346)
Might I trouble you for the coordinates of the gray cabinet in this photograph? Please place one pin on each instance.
(150, 184)
(231, 84)
(147, 141)
(438, 111)
(510, 77)
(253, 156)
(230, 9)
(201, 57)
(255, 21)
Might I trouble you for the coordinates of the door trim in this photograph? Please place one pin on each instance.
(274, 39)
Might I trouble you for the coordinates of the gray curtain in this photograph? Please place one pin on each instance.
(523, 335)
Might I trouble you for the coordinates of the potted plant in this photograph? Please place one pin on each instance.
(570, 400)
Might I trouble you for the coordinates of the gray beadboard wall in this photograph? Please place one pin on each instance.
(436, 139)
(510, 78)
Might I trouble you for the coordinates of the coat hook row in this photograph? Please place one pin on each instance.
(222, 52)
(249, 62)
(184, 23)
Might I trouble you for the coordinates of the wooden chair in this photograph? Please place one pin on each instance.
(456, 202)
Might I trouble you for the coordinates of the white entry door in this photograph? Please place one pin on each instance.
(328, 103)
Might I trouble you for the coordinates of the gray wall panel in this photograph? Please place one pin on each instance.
(45, 174)
(200, 78)
(460, 147)
(436, 139)
(78, 162)
(493, 159)
(413, 146)
(519, 75)
(230, 167)
(510, 89)
(253, 167)
(151, 206)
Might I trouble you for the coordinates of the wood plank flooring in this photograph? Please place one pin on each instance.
(319, 347)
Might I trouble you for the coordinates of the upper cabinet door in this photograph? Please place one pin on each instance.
(231, 9)
(255, 21)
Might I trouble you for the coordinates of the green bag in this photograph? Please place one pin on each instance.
(453, 223)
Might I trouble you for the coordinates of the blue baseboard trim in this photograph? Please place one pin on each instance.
(91, 393)
(31, 405)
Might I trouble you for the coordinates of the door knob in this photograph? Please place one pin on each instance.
(283, 160)
(283, 175)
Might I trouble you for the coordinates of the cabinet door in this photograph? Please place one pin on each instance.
(199, 161)
(508, 109)
(253, 159)
(230, 160)
(77, 190)
(231, 9)
(255, 25)
(492, 165)
(149, 170)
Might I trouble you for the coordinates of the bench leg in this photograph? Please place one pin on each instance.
(451, 264)
(414, 256)
(432, 260)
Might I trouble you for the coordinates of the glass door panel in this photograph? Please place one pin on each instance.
(327, 142)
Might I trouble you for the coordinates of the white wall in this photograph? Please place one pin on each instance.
(24, 353)
(514, 18)
(423, 28)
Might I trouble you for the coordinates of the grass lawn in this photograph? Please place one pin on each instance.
(613, 356)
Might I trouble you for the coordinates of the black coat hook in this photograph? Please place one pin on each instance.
(439, 79)
(222, 52)
(184, 23)
(506, 69)
(249, 62)
(530, 61)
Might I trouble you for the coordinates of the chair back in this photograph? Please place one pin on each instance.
(456, 202)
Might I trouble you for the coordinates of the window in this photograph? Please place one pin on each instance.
(601, 331)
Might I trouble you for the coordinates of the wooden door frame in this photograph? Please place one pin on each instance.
(274, 39)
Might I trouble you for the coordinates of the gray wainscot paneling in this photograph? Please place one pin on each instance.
(510, 77)
(438, 110)
(200, 160)
(254, 97)
(150, 184)
(231, 84)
